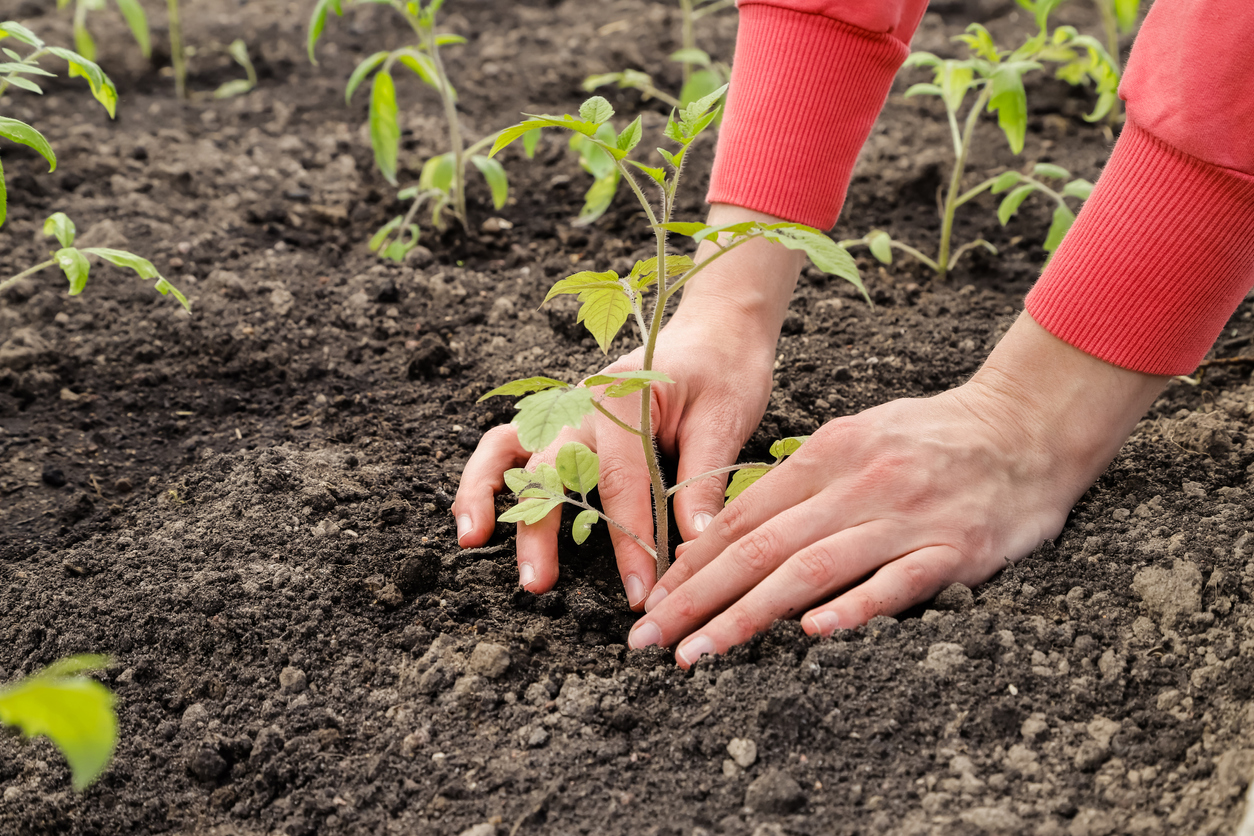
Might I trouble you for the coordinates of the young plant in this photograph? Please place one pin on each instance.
(73, 261)
(20, 72)
(609, 300)
(1022, 186)
(442, 181)
(132, 13)
(996, 78)
(74, 712)
(1118, 18)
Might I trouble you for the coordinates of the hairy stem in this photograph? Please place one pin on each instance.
(962, 148)
(178, 57)
(12, 280)
(620, 422)
(717, 472)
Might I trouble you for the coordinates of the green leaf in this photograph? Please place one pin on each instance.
(578, 467)
(673, 160)
(543, 415)
(582, 526)
(75, 266)
(584, 280)
(695, 111)
(385, 133)
(1005, 181)
(387, 229)
(4, 197)
(603, 313)
(595, 110)
(24, 134)
(1079, 187)
(657, 175)
(1011, 202)
(700, 84)
(1126, 12)
(530, 140)
(955, 79)
(691, 56)
(137, 20)
(923, 89)
(627, 383)
(592, 157)
(530, 510)
(881, 245)
(788, 446)
(25, 84)
(980, 41)
(362, 70)
(825, 253)
(21, 33)
(449, 39)
(523, 386)
(742, 479)
(644, 273)
(60, 227)
(231, 89)
(84, 42)
(75, 712)
(598, 198)
(318, 22)
(121, 258)
(508, 135)
(1050, 170)
(494, 173)
(1063, 218)
(425, 68)
(921, 59)
(437, 174)
(689, 229)
(1011, 104)
(101, 86)
(630, 137)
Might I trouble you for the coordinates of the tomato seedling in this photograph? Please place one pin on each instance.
(609, 300)
(74, 712)
(996, 77)
(21, 72)
(442, 181)
(133, 13)
(75, 264)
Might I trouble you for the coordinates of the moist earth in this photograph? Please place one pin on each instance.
(247, 508)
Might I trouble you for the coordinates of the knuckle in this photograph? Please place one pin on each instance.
(815, 565)
(682, 606)
(741, 622)
(759, 549)
(915, 580)
(616, 477)
(732, 522)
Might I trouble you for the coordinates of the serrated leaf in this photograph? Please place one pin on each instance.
(137, 21)
(603, 313)
(1079, 187)
(825, 253)
(582, 527)
(578, 467)
(1005, 181)
(74, 712)
(363, 69)
(1050, 170)
(700, 84)
(980, 42)
(529, 511)
(787, 446)
(742, 479)
(318, 22)
(24, 134)
(596, 110)
(657, 175)
(584, 280)
(75, 266)
(630, 137)
(522, 386)
(385, 132)
(694, 111)
(881, 245)
(1011, 202)
(494, 173)
(1063, 219)
(60, 226)
(1010, 102)
(644, 273)
(543, 415)
(121, 258)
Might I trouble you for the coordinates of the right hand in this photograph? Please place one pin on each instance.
(719, 348)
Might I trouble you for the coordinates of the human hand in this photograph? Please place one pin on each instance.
(719, 349)
(880, 511)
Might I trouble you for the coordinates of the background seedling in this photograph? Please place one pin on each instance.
(609, 300)
(75, 264)
(131, 11)
(1118, 18)
(442, 182)
(74, 712)
(21, 72)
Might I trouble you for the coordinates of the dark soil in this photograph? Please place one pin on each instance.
(247, 507)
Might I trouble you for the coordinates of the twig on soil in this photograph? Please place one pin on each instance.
(499, 547)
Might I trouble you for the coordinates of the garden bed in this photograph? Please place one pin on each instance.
(247, 507)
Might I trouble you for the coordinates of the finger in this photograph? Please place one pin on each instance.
(709, 446)
(910, 580)
(736, 571)
(627, 498)
(810, 575)
(537, 552)
(483, 477)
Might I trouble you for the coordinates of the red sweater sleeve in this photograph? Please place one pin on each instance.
(1163, 251)
(809, 79)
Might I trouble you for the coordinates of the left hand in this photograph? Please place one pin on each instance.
(885, 509)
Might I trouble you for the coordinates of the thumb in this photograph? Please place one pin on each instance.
(711, 447)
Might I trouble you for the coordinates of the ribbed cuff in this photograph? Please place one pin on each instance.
(1158, 259)
(805, 91)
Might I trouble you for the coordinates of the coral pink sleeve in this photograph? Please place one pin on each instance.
(1163, 251)
(809, 79)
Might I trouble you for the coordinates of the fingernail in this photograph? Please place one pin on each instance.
(823, 623)
(464, 525)
(635, 590)
(694, 649)
(644, 634)
(701, 521)
(655, 598)
(526, 574)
